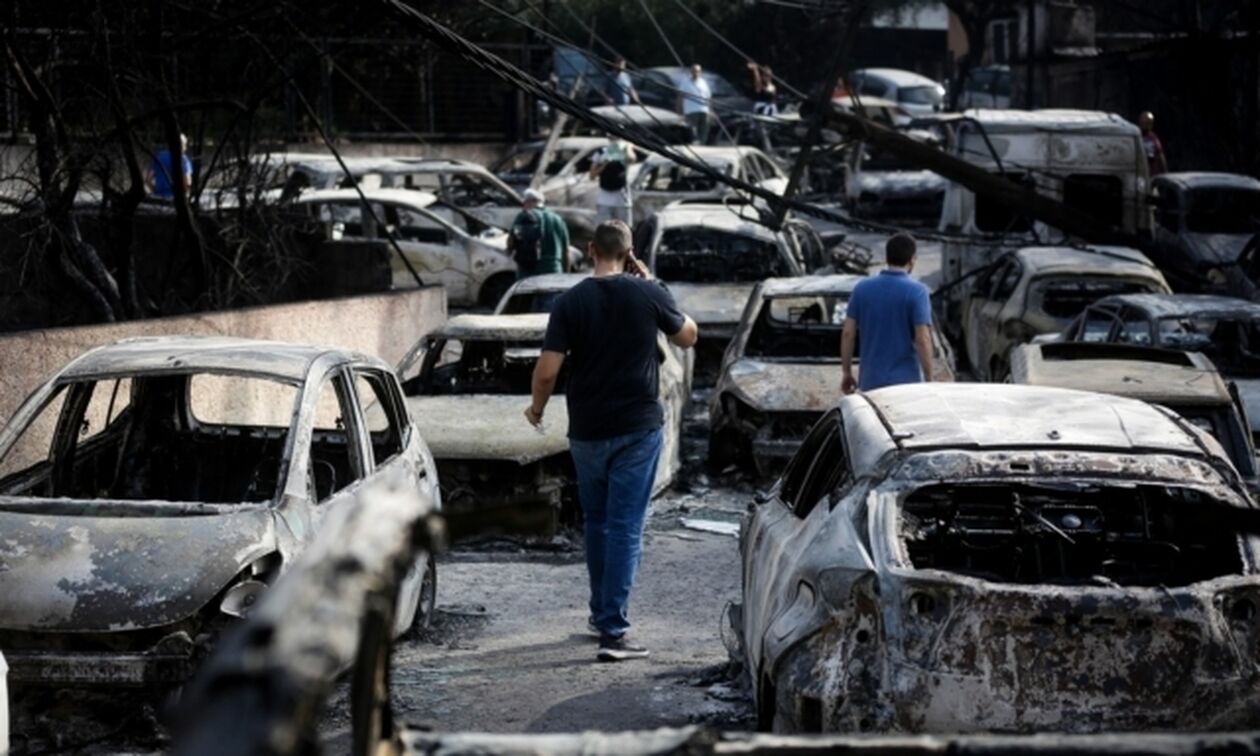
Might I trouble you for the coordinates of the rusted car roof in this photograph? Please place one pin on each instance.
(809, 286)
(1097, 259)
(1152, 375)
(1190, 305)
(924, 415)
(527, 327)
(205, 353)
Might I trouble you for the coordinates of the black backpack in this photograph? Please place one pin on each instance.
(613, 177)
(526, 238)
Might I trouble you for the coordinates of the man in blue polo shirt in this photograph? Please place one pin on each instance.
(890, 316)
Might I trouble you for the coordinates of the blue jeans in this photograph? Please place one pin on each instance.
(615, 478)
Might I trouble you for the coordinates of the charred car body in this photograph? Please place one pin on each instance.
(712, 256)
(963, 557)
(661, 181)
(152, 489)
(467, 385)
(1038, 290)
(1224, 329)
(1185, 382)
(781, 371)
(1202, 223)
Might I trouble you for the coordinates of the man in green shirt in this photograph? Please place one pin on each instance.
(539, 240)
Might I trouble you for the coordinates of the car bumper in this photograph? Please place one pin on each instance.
(80, 668)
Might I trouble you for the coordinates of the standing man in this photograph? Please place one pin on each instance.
(892, 313)
(605, 328)
(1152, 144)
(621, 91)
(160, 178)
(539, 239)
(694, 99)
(613, 201)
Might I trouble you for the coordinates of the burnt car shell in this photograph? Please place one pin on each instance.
(878, 597)
(191, 521)
(779, 375)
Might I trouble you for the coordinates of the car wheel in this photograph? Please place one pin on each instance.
(417, 597)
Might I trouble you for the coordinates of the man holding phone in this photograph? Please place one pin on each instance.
(606, 329)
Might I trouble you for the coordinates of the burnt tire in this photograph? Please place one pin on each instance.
(427, 605)
(371, 718)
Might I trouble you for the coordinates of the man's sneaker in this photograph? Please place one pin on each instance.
(618, 648)
(590, 624)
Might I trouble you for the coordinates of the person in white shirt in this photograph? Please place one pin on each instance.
(610, 168)
(694, 103)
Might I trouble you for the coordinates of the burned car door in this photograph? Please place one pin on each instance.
(435, 249)
(337, 458)
(986, 312)
(779, 530)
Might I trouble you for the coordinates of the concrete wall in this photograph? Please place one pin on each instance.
(384, 325)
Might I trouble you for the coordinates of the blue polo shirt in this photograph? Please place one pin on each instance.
(887, 308)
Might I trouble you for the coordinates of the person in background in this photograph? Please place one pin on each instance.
(764, 91)
(890, 316)
(539, 239)
(610, 168)
(621, 91)
(606, 328)
(1152, 144)
(160, 178)
(694, 102)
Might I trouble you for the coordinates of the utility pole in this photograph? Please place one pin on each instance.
(1030, 99)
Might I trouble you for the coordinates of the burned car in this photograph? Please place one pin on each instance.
(1185, 382)
(1202, 223)
(881, 184)
(468, 383)
(152, 489)
(782, 371)
(712, 255)
(443, 246)
(967, 557)
(1224, 329)
(661, 181)
(1038, 290)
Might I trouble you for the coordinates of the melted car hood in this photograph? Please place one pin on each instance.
(84, 573)
(712, 303)
(489, 426)
(786, 386)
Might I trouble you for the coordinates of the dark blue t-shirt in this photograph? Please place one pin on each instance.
(887, 308)
(607, 328)
(162, 175)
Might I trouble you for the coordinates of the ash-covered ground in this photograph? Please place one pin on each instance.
(509, 650)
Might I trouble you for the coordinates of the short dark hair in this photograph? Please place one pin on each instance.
(899, 250)
(612, 240)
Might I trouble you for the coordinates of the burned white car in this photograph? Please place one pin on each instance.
(442, 245)
(966, 557)
(152, 489)
(712, 256)
(662, 181)
(467, 384)
(1038, 290)
(782, 371)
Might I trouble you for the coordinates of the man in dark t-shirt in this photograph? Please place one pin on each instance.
(606, 329)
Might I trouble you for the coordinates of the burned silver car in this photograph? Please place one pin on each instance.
(712, 255)
(1038, 290)
(467, 384)
(1202, 223)
(782, 371)
(967, 557)
(152, 489)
